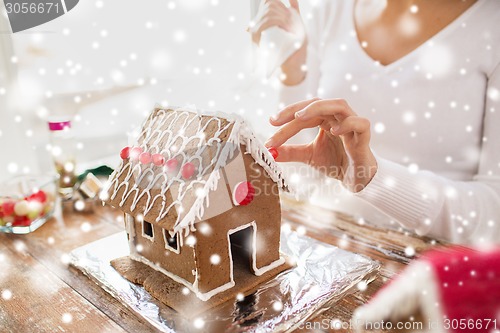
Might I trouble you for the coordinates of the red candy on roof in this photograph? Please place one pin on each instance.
(188, 170)
(158, 159)
(145, 158)
(172, 165)
(125, 153)
(135, 153)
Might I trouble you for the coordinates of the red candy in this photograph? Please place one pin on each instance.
(21, 212)
(21, 221)
(8, 207)
(188, 170)
(39, 196)
(158, 159)
(273, 151)
(243, 194)
(135, 153)
(125, 153)
(172, 164)
(145, 158)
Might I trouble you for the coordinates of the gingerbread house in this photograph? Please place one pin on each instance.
(199, 192)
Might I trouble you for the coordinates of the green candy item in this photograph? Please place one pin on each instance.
(102, 170)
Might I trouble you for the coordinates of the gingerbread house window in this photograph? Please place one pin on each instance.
(171, 242)
(147, 230)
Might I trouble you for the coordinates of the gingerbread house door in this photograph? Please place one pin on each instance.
(241, 248)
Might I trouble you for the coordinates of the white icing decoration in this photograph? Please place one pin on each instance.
(129, 226)
(168, 247)
(160, 128)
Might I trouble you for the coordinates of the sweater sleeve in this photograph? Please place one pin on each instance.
(460, 211)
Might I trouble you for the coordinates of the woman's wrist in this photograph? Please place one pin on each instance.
(360, 174)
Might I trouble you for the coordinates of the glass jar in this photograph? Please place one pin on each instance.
(63, 148)
(26, 203)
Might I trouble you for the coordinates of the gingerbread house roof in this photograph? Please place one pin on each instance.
(157, 185)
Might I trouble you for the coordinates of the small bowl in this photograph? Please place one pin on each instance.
(26, 203)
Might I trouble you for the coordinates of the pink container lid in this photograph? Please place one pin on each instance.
(59, 125)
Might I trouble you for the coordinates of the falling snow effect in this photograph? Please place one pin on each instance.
(65, 258)
(362, 285)
(301, 230)
(205, 229)
(198, 323)
(86, 227)
(139, 248)
(67, 318)
(20, 246)
(379, 128)
(191, 240)
(215, 259)
(79, 205)
(6, 294)
(277, 306)
(409, 251)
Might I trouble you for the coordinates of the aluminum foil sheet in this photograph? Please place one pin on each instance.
(322, 275)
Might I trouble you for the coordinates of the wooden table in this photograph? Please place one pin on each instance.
(41, 293)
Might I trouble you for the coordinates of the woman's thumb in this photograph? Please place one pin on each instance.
(295, 5)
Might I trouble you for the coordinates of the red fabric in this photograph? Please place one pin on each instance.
(469, 286)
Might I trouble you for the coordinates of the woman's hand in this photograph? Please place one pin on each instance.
(341, 149)
(273, 13)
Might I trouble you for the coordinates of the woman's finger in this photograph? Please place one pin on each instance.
(295, 5)
(288, 113)
(270, 20)
(271, 9)
(268, 11)
(277, 5)
(358, 125)
(287, 131)
(295, 153)
(328, 124)
(337, 108)
(269, 3)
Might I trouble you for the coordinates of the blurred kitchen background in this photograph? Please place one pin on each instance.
(108, 63)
